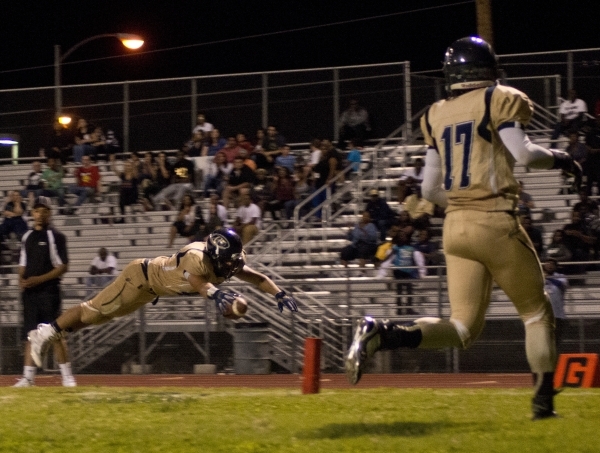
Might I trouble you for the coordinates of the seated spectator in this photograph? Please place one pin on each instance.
(525, 202)
(263, 189)
(60, 145)
(111, 146)
(408, 264)
(419, 209)
(241, 177)
(283, 191)
(103, 270)
(243, 142)
(364, 237)
(83, 140)
(247, 223)
(592, 164)
(402, 222)
(380, 212)
(273, 140)
(579, 241)
(247, 160)
(413, 176)
(267, 148)
(34, 183)
(214, 143)
(572, 115)
(194, 146)
(88, 182)
(354, 157)
(429, 249)
(98, 143)
(202, 125)
(534, 233)
(182, 179)
(159, 171)
(52, 178)
(586, 206)
(217, 217)
(128, 190)
(15, 216)
(557, 248)
(216, 175)
(577, 149)
(231, 149)
(286, 159)
(302, 189)
(189, 223)
(353, 124)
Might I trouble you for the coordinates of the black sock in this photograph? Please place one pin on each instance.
(394, 336)
(544, 384)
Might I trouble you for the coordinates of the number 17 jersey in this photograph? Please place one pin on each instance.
(477, 168)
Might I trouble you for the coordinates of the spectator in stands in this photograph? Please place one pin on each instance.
(189, 222)
(53, 181)
(147, 168)
(128, 190)
(327, 171)
(60, 145)
(413, 176)
(556, 285)
(247, 160)
(34, 183)
(534, 233)
(182, 181)
(353, 124)
(160, 172)
(103, 270)
(263, 190)
(83, 140)
(202, 125)
(88, 182)
(214, 143)
(259, 140)
(283, 191)
(429, 249)
(586, 206)
(557, 249)
(525, 202)
(354, 157)
(247, 223)
(592, 164)
(111, 145)
(216, 175)
(572, 115)
(241, 177)
(408, 264)
(217, 215)
(194, 146)
(579, 241)
(97, 143)
(576, 149)
(286, 159)
(243, 142)
(231, 149)
(380, 212)
(315, 152)
(15, 216)
(419, 209)
(302, 189)
(363, 237)
(273, 140)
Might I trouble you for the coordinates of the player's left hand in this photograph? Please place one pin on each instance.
(283, 300)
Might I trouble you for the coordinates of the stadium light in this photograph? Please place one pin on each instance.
(130, 41)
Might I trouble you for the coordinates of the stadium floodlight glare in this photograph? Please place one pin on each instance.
(130, 41)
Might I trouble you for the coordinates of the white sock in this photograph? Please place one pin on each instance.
(65, 369)
(29, 373)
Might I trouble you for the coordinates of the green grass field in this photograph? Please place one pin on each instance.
(103, 419)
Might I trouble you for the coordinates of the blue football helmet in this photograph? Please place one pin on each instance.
(224, 247)
(470, 63)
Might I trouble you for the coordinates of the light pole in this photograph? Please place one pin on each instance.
(128, 40)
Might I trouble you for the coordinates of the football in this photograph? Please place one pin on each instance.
(237, 309)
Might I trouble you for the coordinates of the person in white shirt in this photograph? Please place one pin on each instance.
(247, 223)
(202, 125)
(103, 269)
(572, 115)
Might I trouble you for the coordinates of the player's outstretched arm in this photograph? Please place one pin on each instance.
(264, 283)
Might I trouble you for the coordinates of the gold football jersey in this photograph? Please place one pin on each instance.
(476, 166)
(167, 275)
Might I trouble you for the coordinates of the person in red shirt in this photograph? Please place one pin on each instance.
(88, 181)
(231, 149)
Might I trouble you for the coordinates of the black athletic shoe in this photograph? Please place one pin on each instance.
(542, 406)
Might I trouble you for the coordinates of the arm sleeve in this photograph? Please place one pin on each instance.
(523, 150)
(432, 179)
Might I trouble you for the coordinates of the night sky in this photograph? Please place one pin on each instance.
(182, 37)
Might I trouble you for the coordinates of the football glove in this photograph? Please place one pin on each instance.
(563, 161)
(283, 300)
(223, 299)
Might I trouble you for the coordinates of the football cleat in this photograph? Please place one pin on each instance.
(40, 340)
(365, 343)
(542, 407)
(69, 381)
(23, 382)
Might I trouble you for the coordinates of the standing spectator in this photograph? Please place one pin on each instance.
(43, 261)
(592, 164)
(216, 175)
(557, 249)
(189, 221)
(363, 237)
(15, 216)
(283, 192)
(202, 125)
(53, 181)
(34, 183)
(103, 269)
(60, 145)
(181, 181)
(231, 149)
(128, 190)
(353, 124)
(88, 182)
(241, 177)
(534, 233)
(83, 140)
(214, 143)
(380, 212)
(556, 285)
(571, 114)
(286, 159)
(247, 223)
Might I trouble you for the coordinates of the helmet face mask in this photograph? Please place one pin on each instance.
(224, 247)
(470, 63)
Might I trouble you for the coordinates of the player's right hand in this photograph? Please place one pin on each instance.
(570, 167)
